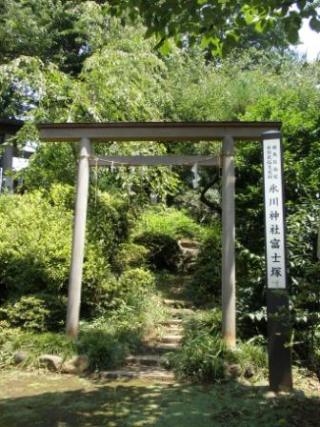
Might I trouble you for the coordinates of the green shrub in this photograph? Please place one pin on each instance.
(204, 357)
(208, 320)
(135, 279)
(98, 282)
(202, 354)
(35, 251)
(251, 293)
(61, 195)
(103, 348)
(37, 312)
(130, 255)
(106, 340)
(132, 285)
(29, 312)
(253, 354)
(304, 273)
(35, 245)
(107, 222)
(206, 281)
(201, 357)
(159, 229)
(51, 164)
(167, 221)
(135, 283)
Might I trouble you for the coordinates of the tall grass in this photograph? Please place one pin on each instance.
(106, 340)
(204, 357)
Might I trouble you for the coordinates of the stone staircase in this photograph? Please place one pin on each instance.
(152, 363)
(189, 251)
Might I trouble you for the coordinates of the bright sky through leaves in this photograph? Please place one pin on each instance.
(310, 42)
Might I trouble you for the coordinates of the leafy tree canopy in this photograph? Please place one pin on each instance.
(62, 32)
(67, 32)
(222, 24)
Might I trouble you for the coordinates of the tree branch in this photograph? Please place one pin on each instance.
(212, 205)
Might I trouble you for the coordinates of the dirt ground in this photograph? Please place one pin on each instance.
(53, 400)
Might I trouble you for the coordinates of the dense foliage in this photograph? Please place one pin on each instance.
(224, 24)
(66, 33)
(35, 257)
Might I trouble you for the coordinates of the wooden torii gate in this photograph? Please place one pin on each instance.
(228, 132)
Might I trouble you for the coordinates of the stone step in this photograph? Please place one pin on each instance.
(172, 322)
(189, 254)
(160, 375)
(173, 326)
(187, 243)
(181, 312)
(189, 263)
(171, 339)
(146, 359)
(166, 346)
(158, 348)
(177, 303)
(172, 331)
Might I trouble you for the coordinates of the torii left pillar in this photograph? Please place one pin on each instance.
(78, 241)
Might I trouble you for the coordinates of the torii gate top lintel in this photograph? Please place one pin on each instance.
(159, 131)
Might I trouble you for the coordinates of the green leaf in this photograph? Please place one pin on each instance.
(315, 24)
(249, 14)
(165, 47)
(293, 35)
(206, 41)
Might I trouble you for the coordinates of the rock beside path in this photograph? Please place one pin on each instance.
(20, 357)
(51, 361)
(76, 365)
(234, 370)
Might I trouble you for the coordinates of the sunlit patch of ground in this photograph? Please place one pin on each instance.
(52, 400)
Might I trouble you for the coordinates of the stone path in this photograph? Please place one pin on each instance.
(152, 362)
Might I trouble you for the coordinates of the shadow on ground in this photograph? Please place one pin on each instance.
(137, 404)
